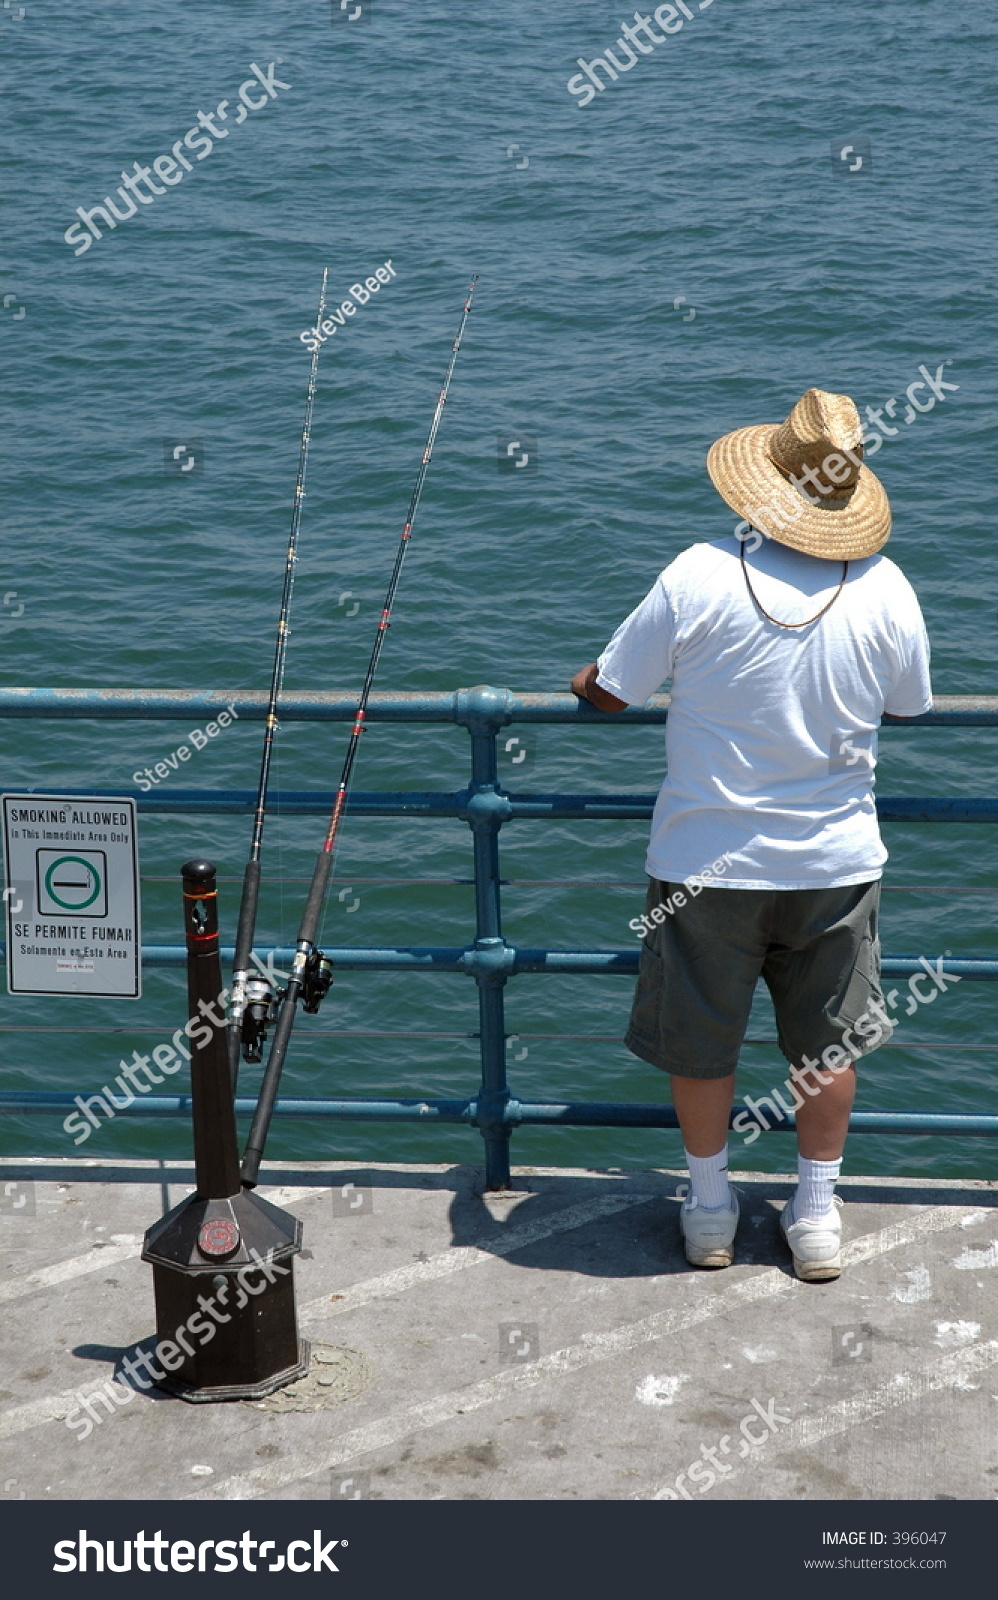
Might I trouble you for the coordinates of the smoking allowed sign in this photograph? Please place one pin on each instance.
(71, 895)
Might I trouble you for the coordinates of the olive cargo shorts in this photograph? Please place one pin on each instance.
(816, 949)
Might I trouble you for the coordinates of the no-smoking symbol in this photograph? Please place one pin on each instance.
(75, 883)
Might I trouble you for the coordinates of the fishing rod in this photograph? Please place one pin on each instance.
(250, 996)
(311, 971)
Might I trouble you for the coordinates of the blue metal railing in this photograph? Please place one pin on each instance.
(485, 807)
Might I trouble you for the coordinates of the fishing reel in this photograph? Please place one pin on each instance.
(316, 981)
(262, 1004)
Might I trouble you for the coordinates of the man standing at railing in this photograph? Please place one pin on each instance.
(786, 643)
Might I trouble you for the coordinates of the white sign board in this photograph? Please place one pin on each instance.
(72, 896)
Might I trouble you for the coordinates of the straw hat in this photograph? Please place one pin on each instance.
(777, 476)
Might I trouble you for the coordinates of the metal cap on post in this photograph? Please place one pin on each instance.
(222, 1253)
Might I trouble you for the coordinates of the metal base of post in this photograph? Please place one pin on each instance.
(235, 1391)
(228, 1266)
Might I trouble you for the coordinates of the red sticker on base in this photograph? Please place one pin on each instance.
(218, 1237)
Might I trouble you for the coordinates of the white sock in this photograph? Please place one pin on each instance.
(816, 1182)
(709, 1179)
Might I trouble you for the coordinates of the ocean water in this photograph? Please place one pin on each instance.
(684, 254)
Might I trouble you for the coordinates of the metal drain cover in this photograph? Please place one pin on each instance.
(336, 1374)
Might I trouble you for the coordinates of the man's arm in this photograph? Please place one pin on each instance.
(585, 686)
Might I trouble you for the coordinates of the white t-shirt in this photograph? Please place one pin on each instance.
(771, 740)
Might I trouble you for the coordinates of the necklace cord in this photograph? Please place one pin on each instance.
(807, 624)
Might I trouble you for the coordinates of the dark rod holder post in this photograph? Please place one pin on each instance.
(222, 1253)
(216, 1154)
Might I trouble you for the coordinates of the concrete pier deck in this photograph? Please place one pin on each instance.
(547, 1344)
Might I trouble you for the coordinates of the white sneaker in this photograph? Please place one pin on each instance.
(816, 1246)
(709, 1235)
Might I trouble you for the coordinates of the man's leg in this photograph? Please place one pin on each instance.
(703, 1106)
(696, 977)
(822, 974)
(709, 1214)
(823, 1121)
(822, 1125)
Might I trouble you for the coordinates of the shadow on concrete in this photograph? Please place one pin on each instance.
(641, 1240)
(115, 1356)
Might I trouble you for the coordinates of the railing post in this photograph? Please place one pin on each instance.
(483, 710)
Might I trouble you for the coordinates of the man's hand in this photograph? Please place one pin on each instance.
(585, 686)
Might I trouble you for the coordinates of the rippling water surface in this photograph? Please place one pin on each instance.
(681, 256)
